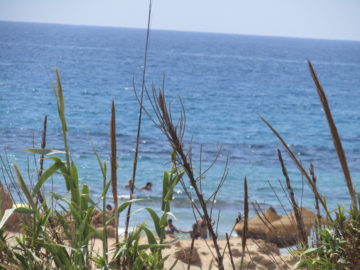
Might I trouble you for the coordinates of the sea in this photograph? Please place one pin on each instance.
(225, 83)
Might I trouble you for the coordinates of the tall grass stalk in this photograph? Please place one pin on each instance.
(301, 169)
(230, 252)
(113, 170)
(335, 135)
(298, 217)
(174, 133)
(132, 187)
(246, 218)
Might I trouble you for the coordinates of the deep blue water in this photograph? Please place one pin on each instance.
(225, 81)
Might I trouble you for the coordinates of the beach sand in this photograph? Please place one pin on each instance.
(259, 254)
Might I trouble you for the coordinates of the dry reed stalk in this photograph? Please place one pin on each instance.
(335, 135)
(301, 169)
(113, 170)
(230, 252)
(39, 195)
(219, 186)
(43, 145)
(246, 218)
(298, 217)
(191, 252)
(133, 177)
(318, 215)
(231, 232)
(261, 214)
(313, 178)
(174, 134)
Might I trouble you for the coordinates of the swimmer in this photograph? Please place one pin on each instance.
(129, 184)
(148, 186)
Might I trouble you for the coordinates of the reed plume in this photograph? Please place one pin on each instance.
(174, 134)
(43, 145)
(313, 177)
(246, 218)
(113, 170)
(335, 135)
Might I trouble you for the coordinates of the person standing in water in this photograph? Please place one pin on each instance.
(129, 184)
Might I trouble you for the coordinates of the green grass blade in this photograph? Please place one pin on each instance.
(24, 188)
(44, 152)
(46, 174)
(156, 220)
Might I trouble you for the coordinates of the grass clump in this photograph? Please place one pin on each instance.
(338, 244)
(62, 237)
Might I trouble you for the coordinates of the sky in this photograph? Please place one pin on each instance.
(324, 19)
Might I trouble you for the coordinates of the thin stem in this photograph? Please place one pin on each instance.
(139, 123)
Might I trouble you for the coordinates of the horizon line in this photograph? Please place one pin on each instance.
(184, 31)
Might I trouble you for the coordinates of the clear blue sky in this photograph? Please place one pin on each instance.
(333, 19)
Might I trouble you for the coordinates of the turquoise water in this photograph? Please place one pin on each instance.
(225, 81)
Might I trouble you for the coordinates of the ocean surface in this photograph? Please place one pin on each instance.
(225, 81)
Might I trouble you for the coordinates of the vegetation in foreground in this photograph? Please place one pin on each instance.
(57, 232)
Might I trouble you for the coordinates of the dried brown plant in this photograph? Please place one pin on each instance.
(298, 217)
(113, 163)
(335, 135)
(174, 133)
(246, 219)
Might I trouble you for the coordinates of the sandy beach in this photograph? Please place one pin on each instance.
(259, 254)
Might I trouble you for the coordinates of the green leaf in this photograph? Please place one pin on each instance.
(123, 206)
(44, 152)
(24, 210)
(64, 171)
(84, 197)
(46, 174)
(106, 189)
(166, 184)
(102, 167)
(150, 237)
(163, 220)
(24, 188)
(168, 196)
(74, 174)
(156, 220)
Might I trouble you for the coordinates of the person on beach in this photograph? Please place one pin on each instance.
(170, 228)
(199, 229)
(130, 184)
(148, 186)
(96, 219)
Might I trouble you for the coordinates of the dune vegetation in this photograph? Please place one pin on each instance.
(46, 230)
